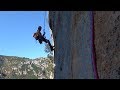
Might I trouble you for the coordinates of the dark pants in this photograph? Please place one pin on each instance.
(46, 41)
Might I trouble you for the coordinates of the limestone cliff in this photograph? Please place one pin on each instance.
(74, 57)
(86, 44)
(107, 42)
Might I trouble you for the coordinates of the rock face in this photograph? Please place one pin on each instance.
(72, 33)
(107, 42)
(82, 38)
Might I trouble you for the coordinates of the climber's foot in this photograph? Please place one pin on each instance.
(52, 48)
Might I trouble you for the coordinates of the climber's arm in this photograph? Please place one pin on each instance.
(43, 34)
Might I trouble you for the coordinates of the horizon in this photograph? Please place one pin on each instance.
(22, 57)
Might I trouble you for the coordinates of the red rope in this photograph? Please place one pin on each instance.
(93, 48)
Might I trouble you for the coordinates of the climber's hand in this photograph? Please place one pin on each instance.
(44, 33)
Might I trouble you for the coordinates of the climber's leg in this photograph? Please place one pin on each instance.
(51, 47)
(43, 39)
(40, 40)
(47, 41)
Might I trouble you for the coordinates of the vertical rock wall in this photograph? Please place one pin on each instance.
(73, 44)
(107, 43)
(74, 56)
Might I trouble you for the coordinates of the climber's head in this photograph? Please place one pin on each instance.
(39, 28)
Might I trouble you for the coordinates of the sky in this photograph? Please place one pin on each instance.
(16, 33)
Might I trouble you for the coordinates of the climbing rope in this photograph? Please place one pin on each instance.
(93, 47)
(44, 22)
(51, 35)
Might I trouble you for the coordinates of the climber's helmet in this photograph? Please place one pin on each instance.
(39, 28)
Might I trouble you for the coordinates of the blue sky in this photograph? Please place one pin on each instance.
(16, 30)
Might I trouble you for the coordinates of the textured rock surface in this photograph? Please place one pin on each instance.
(107, 43)
(72, 33)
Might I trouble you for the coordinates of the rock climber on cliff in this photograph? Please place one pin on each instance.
(38, 36)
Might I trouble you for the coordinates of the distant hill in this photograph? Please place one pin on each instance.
(12, 67)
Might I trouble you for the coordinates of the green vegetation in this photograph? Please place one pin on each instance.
(24, 68)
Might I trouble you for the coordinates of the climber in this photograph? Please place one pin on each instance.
(38, 36)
